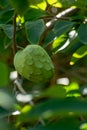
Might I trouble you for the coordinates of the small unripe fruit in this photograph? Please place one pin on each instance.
(34, 64)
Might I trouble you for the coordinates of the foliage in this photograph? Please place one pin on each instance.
(60, 27)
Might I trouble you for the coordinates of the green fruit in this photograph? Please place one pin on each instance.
(34, 64)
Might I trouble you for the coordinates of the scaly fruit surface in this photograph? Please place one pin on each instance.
(34, 64)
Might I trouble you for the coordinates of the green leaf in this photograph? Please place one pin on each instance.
(59, 42)
(7, 42)
(72, 86)
(49, 38)
(6, 15)
(34, 15)
(62, 27)
(8, 29)
(81, 4)
(55, 107)
(62, 124)
(56, 91)
(6, 100)
(73, 46)
(83, 126)
(82, 33)
(54, 3)
(20, 6)
(61, 3)
(5, 125)
(41, 4)
(4, 112)
(34, 2)
(73, 90)
(34, 30)
(2, 36)
(4, 74)
(80, 53)
(4, 3)
(7, 103)
(59, 29)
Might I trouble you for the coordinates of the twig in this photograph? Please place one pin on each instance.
(18, 84)
(13, 46)
(59, 16)
(14, 34)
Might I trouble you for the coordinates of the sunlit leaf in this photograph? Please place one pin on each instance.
(67, 3)
(51, 1)
(34, 30)
(42, 5)
(59, 42)
(59, 29)
(62, 3)
(80, 53)
(83, 126)
(55, 3)
(72, 86)
(73, 46)
(73, 90)
(26, 108)
(19, 20)
(82, 33)
(39, 4)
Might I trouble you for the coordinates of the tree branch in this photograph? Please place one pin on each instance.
(62, 15)
(14, 35)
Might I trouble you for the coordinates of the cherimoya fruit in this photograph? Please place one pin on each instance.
(34, 64)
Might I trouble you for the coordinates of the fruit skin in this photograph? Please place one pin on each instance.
(34, 64)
